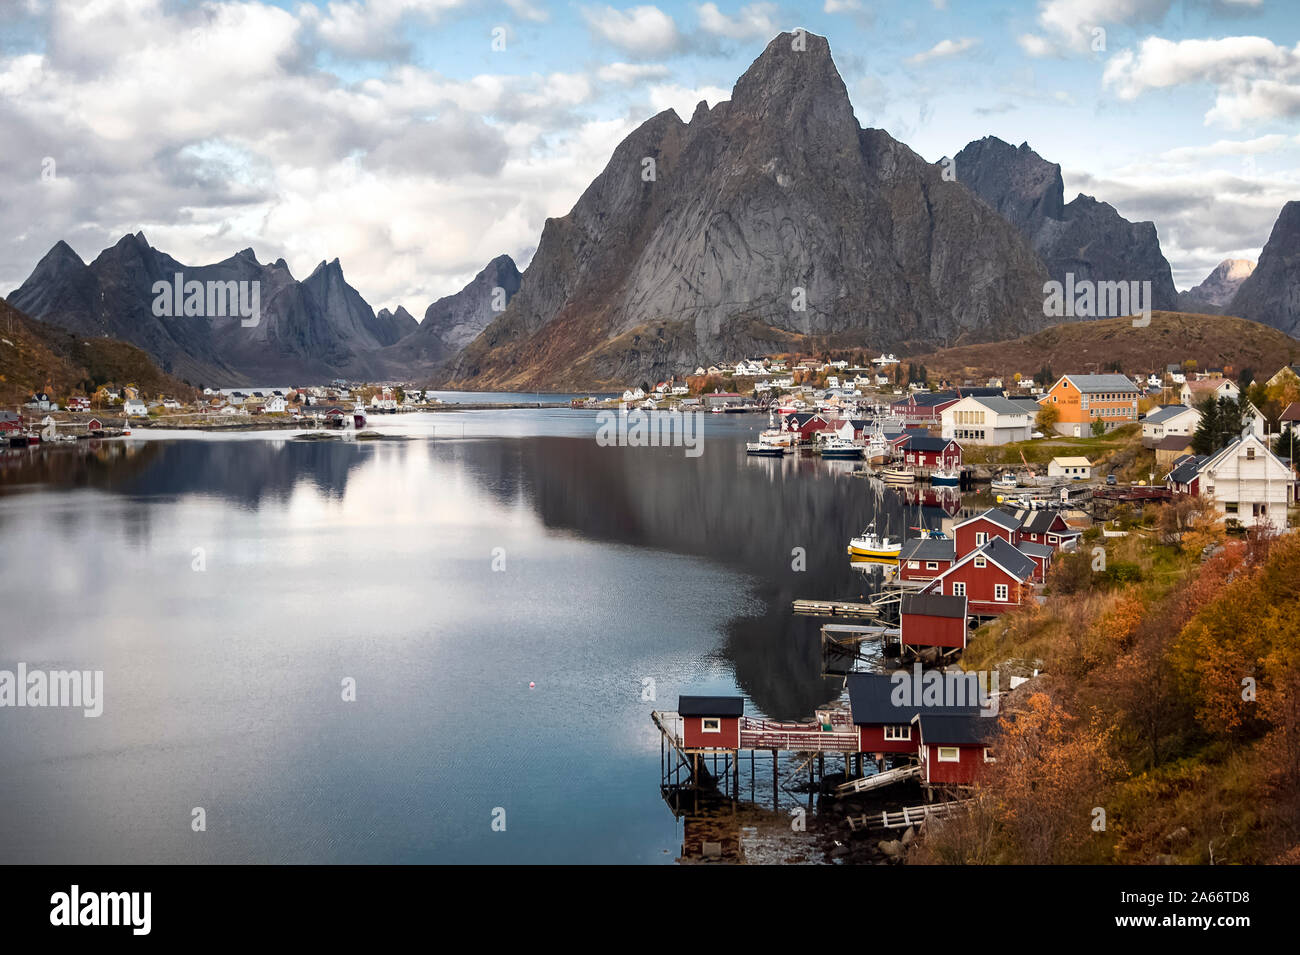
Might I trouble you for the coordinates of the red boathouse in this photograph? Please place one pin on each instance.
(711, 722)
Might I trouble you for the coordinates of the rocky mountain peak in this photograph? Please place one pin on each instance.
(1271, 294)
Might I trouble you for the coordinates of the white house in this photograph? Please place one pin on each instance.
(1194, 391)
(134, 407)
(986, 420)
(275, 405)
(1249, 483)
(1076, 469)
(1169, 421)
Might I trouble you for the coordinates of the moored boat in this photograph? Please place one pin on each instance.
(945, 477)
(760, 449)
(871, 545)
(898, 475)
(841, 449)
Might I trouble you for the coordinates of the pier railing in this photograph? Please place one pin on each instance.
(769, 734)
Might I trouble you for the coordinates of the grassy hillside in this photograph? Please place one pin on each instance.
(1096, 346)
(39, 357)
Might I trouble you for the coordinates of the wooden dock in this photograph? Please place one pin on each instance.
(879, 780)
(908, 816)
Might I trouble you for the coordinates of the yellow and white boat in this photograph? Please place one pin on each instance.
(872, 545)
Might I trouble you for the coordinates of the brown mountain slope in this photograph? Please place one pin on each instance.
(39, 357)
(1210, 340)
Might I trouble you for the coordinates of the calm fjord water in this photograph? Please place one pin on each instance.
(373, 561)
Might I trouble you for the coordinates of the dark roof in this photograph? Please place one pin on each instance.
(1007, 557)
(1037, 522)
(711, 705)
(924, 442)
(872, 696)
(1292, 412)
(947, 730)
(929, 548)
(997, 516)
(1175, 442)
(1165, 413)
(934, 605)
(1187, 468)
(1035, 550)
(800, 418)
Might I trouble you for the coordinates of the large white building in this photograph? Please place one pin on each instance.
(1249, 483)
(986, 420)
(1170, 420)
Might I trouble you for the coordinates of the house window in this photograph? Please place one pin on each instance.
(981, 538)
(710, 725)
(1230, 507)
(1250, 454)
(959, 588)
(931, 565)
(988, 755)
(903, 732)
(981, 562)
(949, 754)
(913, 564)
(1000, 592)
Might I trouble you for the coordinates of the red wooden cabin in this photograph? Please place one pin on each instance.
(1045, 527)
(926, 451)
(711, 722)
(979, 530)
(993, 578)
(805, 424)
(885, 714)
(953, 749)
(925, 558)
(933, 620)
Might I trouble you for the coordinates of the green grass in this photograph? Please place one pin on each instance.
(1042, 450)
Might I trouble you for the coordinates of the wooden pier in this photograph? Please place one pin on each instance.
(908, 816)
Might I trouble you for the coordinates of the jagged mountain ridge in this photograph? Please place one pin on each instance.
(1218, 288)
(1084, 237)
(1271, 294)
(775, 190)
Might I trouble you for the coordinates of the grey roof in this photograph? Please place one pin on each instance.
(1035, 550)
(1037, 522)
(1007, 557)
(925, 442)
(1165, 413)
(998, 516)
(871, 701)
(711, 706)
(1173, 442)
(928, 548)
(1095, 383)
(1187, 468)
(1000, 405)
(948, 730)
(934, 605)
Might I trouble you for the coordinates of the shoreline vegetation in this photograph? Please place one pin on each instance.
(1163, 725)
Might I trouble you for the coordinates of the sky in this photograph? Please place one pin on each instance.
(415, 140)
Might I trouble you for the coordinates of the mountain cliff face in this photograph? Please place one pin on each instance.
(1084, 237)
(453, 321)
(398, 324)
(312, 330)
(762, 222)
(1218, 288)
(1272, 292)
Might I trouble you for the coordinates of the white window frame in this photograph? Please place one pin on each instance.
(931, 565)
(898, 732)
(981, 563)
(981, 538)
(959, 588)
(954, 750)
(1001, 592)
(987, 757)
(706, 720)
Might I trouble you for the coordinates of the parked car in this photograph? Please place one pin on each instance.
(1111, 479)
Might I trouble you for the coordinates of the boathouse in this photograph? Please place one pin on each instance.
(953, 749)
(711, 722)
(926, 451)
(1045, 527)
(979, 530)
(1041, 555)
(924, 558)
(10, 421)
(805, 424)
(933, 620)
(993, 578)
(885, 715)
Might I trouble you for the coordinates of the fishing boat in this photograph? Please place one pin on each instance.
(761, 449)
(898, 475)
(1005, 479)
(841, 449)
(945, 477)
(872, 545)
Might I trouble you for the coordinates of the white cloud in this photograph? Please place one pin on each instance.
(1255, 79)
(1229, 147)
(842, 6)
(755, 21)
(684, 99)
(641, 31)
(944, 49)
(1072, 22)
(626, 74)
(1036, 46)
(529, 10)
